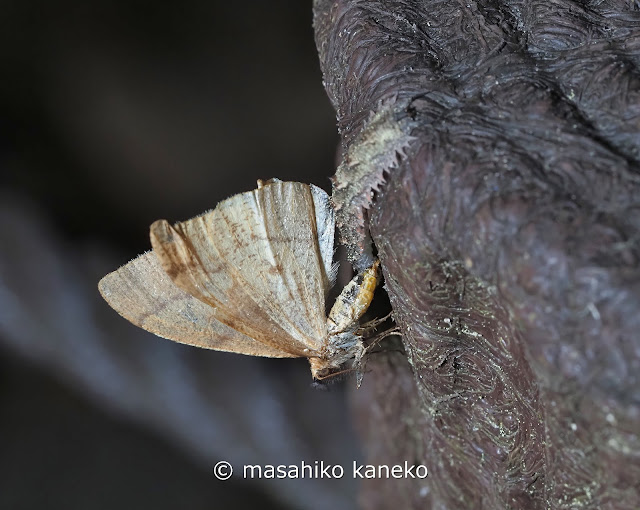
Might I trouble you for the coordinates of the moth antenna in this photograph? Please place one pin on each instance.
(334, 374)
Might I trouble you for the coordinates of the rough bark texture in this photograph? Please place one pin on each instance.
(508, 232)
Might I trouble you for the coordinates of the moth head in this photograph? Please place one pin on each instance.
(324, 371)
(320, 369)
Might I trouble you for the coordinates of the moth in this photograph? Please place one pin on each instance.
(251, 277)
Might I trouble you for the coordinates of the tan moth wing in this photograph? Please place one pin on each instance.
(143, 293)
(263, 258)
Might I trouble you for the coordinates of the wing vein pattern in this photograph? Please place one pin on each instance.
(142, 292)
(262, 259)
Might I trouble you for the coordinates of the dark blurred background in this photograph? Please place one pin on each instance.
(115, 114)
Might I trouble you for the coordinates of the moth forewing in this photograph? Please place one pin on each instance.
(325, 226)
(176, 258)
(143, 293)
(297, 281)
(195, 266)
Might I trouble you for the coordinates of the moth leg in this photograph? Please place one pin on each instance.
(372, 324)
(361, 362)
(374, 341)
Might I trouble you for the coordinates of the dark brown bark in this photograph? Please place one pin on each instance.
(508, 231)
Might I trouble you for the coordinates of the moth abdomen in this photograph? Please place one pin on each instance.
(370, 280)
(354, 300)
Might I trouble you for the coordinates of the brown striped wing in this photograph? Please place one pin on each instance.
(143, 293)
(263, 259)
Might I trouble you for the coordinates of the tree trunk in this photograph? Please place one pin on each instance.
(504, 138)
